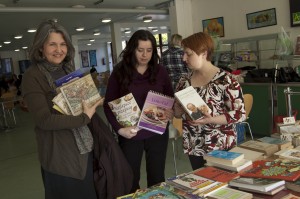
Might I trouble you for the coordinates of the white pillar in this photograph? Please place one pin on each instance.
(116, 39)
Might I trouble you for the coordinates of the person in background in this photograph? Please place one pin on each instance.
(172, 60)
(94, 75)
(66, 159)
(221, 92)
(139, 72)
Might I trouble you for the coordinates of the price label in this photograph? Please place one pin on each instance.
(288, 120)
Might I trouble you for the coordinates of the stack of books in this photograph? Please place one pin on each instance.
(266, 148)
(282, 144)
(229, 160)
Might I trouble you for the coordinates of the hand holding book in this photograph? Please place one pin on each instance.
(90, 110)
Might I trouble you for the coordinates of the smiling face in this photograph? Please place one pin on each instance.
(143, 52)
(55, 48)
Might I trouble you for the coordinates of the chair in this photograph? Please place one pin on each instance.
(248, 101)
(175, 131)
(8, 105)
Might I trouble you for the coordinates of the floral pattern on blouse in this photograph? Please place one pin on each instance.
(223, 95)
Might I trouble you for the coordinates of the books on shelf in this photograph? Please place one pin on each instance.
(282, 144)
(126, 110)
(249, 154)
(154, 114)
(266, 148)
(78, 90)
(192, 103)
(256, 184)
(239, 166)
(229, 193)
(216, 174)
(224, 157)
(280, 169)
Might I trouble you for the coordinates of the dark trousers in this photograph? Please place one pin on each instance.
(155, 149)
(197, 162)
(61, 187)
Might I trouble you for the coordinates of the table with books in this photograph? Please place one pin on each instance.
(240, 173)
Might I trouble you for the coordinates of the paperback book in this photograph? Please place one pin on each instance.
(266, 148)
(282, 144)
(224, 157)
(60, 101)
(294, 186)
(239, 166)
(271, 192)
(78, 90)
(71, 76)
(280, 169)
(126, 110)
(154, 114)
(192, 103)
(292, 154)
(216, 174)
(229, 193)
(249, 154)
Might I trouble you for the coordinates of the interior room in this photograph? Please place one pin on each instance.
(264, 56)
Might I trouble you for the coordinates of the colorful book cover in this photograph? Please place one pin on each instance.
(282, 169)
(154, 114)
(126, 110)
(229, 193)
(75, 74)
(226, 157)
(156, 192)
(60, 101)
(191, 181)
(78, 90)
(293, 154)
(192, 103)
(216, 174)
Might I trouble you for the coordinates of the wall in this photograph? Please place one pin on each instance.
(16, 57)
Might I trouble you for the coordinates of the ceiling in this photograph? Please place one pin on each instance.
(16, 16)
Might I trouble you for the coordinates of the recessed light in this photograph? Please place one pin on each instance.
(92, 40)
(80, 29)
(0, 46)
(147, 19)
(18, 36)
(127, 31)
(24, 47)
(106, 20)
(31, 30)
(17, 50)
(97, 33)
(7, 42)
(154, 30)
(88, 44)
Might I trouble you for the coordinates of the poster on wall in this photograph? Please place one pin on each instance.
(85, 58)
(295, 12)
(93, 60)
(214, 26)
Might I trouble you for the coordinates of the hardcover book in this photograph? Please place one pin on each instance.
(294, 186)
(249, 154)
(60, 101)
(282, 144)
(73, 75)
(154, 114)
(240, 166)
(216, 174)
(229, 193)
(126, 110)
(224, 157)
(192, 103)
(259, 184)
(266, 148)
(281, 169)
(292, 154)
(271, 192)
(78, 90)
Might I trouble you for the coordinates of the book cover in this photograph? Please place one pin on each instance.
(179, 191)
(271, 192)
(266, 148)
(216, 174)
(210, 189)
(240, 166)
(60, 101)
(190, 181)
(293, 154)
(75, 74)
(155, 192)
(282, 144)
(281, 169)
(280, 195)
(128, 196)
(224, 157)
(80, 89)
(259, 184)
(192, 103)
(126, 110)
(154, 113)
(249, 154)
(294, 186)
(229, 193)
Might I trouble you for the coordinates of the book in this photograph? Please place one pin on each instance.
(155, 192)
(294, 186)
(224, 157)
(209, 189)
(60, 101)
(73, 75)
(78, 90)
(290, 196)
(126, 110)
(192, 103)
(293, 154)
(282, 144)
(271, 192)
(229, 193)
(154, 113)
(239, 166)
(216, 174)
(258, 184)
(266, 148)
(280, 169)
(280, 195)
(249, 154)
(128, 196)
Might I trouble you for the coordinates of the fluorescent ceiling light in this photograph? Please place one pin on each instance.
(154, 30)
(0, 46)
(106, 20)
(18, 36)
(24, 47)
(17, 50)
(92, 40)
(80, 29)
(31, 30)
(97, 33)
(7, 42)
(88, 44)
(147, 19)
(127, 31)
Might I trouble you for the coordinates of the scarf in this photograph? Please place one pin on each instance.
(83, 135)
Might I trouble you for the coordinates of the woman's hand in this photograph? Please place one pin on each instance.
(90, 111)
(128, 132)
(202, 121)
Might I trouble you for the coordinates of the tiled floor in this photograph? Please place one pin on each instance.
(20, 176)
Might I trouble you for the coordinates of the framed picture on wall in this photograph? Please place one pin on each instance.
(261, 18)
(295, 12)
(85, 58)
(214, 26)
(93, 59)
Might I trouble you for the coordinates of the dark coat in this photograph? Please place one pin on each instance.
(112, 174)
